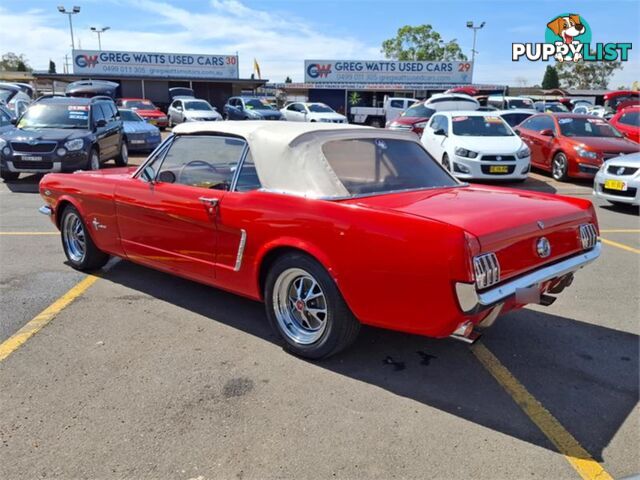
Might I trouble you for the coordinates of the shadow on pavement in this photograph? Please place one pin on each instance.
(585, 375)
(27, 183)
(623, 208)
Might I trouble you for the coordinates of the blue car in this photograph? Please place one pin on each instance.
(250, 108)
(140, 135)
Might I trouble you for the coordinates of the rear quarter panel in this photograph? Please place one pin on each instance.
(394, 270)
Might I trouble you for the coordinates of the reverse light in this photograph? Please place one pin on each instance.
(586, 153)
(73, 145)
(463, 152)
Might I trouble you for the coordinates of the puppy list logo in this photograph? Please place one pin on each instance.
(568, 38)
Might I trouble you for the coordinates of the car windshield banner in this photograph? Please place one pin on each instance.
(147, 64)
(387, 71)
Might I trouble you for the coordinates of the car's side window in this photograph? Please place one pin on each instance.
(547, 123)
(248, 176)
(444, 124)
(438, 122)
(4, 119)
(202, 161)
(293, 107)
(397, 103)
(97, 113)
(532, 124)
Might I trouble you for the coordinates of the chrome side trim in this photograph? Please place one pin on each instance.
(542, 275)
(46, 210)
(241, 245)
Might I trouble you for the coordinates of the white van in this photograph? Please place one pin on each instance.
(507, 103)
(442, 102)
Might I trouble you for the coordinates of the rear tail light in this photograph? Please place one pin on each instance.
(588, 235)
(487, 270)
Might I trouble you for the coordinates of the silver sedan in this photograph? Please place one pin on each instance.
(618, 180)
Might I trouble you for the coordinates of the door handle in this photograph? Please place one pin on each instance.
(212, 202)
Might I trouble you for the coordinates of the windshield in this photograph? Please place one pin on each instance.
(5, 95)
(419, 110)
(587, 127)
(476, 126)
(375, 165)
(255, 104)
(319, 108)
(520, 103)
(197, 105)
(130, 116)
(140, 105)
(554, 107)
(55, 116)
(514, 119)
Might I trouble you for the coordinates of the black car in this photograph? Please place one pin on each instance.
(64, 134)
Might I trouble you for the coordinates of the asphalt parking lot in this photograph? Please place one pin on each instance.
(144, 375)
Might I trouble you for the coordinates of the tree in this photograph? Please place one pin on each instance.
(354, 98)
(583, 74)
(11, 62)
(288, 80)
(52, 66)
(550, 79)
(421, 43)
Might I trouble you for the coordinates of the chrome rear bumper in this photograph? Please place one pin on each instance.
(472, 302)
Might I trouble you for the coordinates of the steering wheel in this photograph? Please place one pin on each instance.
(195, 163)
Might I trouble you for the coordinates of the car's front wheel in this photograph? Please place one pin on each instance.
(306, 308)
(77, 244)
(560, 167)
(123, 157)
(446, 163)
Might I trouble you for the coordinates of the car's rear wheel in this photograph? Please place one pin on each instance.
(9, 176)
(560, 167)
(123, 157)
(77, 244)
(306, 308)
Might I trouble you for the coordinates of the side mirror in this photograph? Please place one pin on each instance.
(547, 132)
(517, 130)
(167, 176)
(14, 120)
(440, 132)
(101, 123)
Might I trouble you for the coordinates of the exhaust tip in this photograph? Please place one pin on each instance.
(465, 333)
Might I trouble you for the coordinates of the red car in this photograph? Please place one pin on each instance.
(147, 110)
(572, 145)
(414, 119)
(627, 121)
(331, 226)
(619, 99)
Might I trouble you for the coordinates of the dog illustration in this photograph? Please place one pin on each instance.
(567, 28)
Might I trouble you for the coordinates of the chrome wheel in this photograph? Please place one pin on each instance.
(73, 237)
(559, 167)
(95, 160)
(300, 306)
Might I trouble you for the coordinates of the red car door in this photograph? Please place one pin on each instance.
(168, 214)
(540, 145)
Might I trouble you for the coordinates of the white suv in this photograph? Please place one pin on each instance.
(477, 145)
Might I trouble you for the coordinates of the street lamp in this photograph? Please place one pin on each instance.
(99, 31)
(73, 11)
(475, 31)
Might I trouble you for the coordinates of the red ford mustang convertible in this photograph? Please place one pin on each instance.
(332, 226)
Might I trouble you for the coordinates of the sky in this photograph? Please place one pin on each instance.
(280, 34)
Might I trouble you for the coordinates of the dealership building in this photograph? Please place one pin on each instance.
(150, 75)
(340, 83)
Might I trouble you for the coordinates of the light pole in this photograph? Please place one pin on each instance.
(73, 11)
(99, 31)
(475, 31)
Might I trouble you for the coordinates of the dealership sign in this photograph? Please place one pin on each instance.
(146, 64)
(386, 71)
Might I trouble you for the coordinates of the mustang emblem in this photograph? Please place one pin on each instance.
(543, 247)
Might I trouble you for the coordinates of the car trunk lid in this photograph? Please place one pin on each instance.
(505, 221)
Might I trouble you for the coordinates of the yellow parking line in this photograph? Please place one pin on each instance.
(620, 230)
(620, 245)
(14, 342)
(29, 233)
(566, 444)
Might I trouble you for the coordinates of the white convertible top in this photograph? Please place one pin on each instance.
(288, 155)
